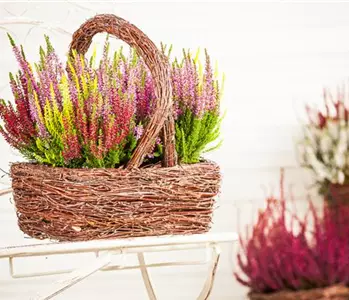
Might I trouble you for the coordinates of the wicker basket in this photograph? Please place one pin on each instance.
(84, 204)
(336, 292)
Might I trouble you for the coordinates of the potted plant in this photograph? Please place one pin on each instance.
(286, 257)
(114, 147)
(324, 147)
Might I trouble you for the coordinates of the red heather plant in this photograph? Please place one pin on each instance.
(92, 116)
(298, 254)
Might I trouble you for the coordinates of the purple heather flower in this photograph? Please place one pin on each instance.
(72, 92)
(176, 110)
(55, 71)
(138, 131)
(191, 76)
(26, 69)
(208, 86)
(45, 93)
(187, 93)
(145, 99)
(177, 84)
(35, 115)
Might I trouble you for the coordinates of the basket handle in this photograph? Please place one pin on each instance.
(158, 65)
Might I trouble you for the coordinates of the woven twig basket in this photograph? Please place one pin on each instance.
(336, 292)
(83, 204)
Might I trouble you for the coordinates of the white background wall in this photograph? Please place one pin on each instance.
(276, 57)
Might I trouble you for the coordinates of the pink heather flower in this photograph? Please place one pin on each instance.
(78, 65)
(55, 71)
(108, 133)
(22, 107)
(73, 93)
(132, 85)
(11, 120)
(124, 78)
(101, 81)
(100, 148)
(187, 94)
(45, 82)
(145, 99)
(54, 64)
(200, 106)
(26, 69)
(82, 124)
(186, 91)
(149, 94)
(191, 74)
(176, 110)
(177, 82)
(35, 116)
(71, 147)
(138, 131)
(208, 88)
(276, 257)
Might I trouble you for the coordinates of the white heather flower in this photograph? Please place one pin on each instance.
(326, 139)
(339, 159)
(326, 158)
(317, 166)
(333, 129)
(342, 124)
(343, 141)
(341, 177)
(341, 150)
(312, 135)
(341, 111)
(325, 150)
(346, 159)
(326, 143)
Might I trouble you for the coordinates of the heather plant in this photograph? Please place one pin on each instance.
(196, 96)
(82, 117)
(324, 146)
(89, 114)
(285, 252)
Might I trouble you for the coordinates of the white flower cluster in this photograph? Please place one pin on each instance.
(325, 150)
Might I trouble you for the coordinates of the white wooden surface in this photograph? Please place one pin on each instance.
(276, 56)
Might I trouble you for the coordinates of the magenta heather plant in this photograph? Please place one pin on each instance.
(298, 254)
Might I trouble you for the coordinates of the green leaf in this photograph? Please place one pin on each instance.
(49, 47)
(12, 41)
